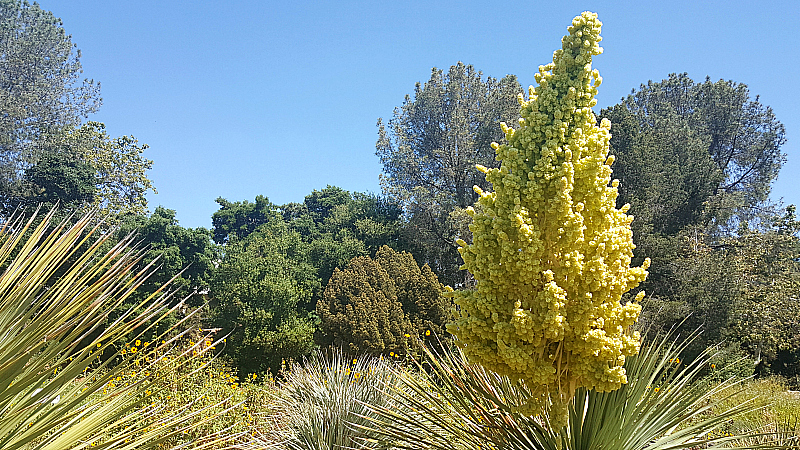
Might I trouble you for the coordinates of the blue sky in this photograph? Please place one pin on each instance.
(241, 98)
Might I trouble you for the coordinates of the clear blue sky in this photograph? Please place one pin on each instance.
(241, 98)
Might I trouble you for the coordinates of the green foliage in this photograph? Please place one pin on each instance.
(695, 162)
(741, 290)
(84, 169)
(60, 177)
(239, 219)
(261, 292)
(185, 254)
(691, 155)
(327, 253)
(429, 150)
(335, 225)
(371, 219)
(360, 310)
(339, 226)
(765, 320)
(120, 170)
(418, 291)
(666, 174)
(278, 258)
(697, 289)
(48, 156)
(380, 306)
(742, 136)
(320, 204)
(225, 409)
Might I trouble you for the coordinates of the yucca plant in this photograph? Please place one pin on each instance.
(785, 433)
(324, 401)
(56, 293)
(449, 403)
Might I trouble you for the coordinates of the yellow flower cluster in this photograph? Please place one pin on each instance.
(551, 253)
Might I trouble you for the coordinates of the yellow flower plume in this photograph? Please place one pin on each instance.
(551, 253)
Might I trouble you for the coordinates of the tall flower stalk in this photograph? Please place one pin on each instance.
(551, 253)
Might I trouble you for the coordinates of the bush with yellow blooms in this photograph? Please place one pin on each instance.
(551, 253)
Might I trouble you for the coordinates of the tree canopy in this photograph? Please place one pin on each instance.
(740, 135)
(47, 153)
(186, 254)
(429, 149)
(695, 162)
(239, 219)
(261, 292)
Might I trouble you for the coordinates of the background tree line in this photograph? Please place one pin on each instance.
(367, 271)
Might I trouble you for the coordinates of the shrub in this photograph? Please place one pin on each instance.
(226, 409)
(382, 305)
(325, 404)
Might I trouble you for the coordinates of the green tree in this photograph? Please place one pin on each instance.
(239, 219)
(378, 222)
(381, 305)
(320, 204)
(418, 290)
(429, 150)
(359, 311)
(338, 226)
(696, 290)
(59, 177)
(120, 170)
(261, 293)
(327, 223)
(43, 100)
(766, 319)
(668, 177)
(311, 239)
(694, 160)
(185, 254)
(741, 136)
(86, 169)
(665, 171)
(41, 86)
(740, 290)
